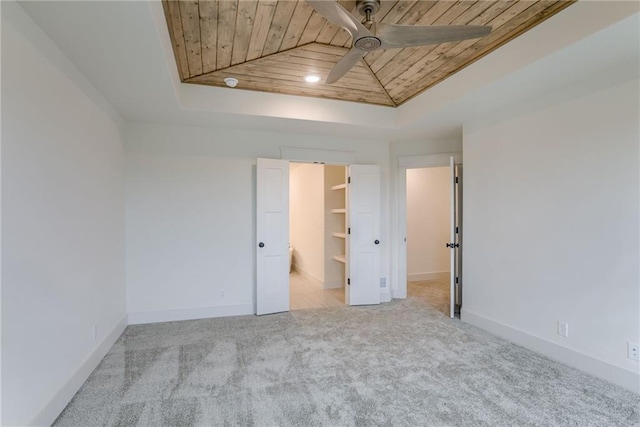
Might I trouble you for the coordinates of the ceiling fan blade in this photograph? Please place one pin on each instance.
(348, 61)
(393, 36)
(336, 14)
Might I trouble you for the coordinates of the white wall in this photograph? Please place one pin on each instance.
(190, 212)
(428, 221)
(425, 148)
(306, 218)
(551, 230)
(62, 226)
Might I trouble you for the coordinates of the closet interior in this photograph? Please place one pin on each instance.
(318, 235)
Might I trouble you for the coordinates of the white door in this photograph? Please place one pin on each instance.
(458, 248)
(453, 243)
(272, 231)
(401, 280)
(363, 219)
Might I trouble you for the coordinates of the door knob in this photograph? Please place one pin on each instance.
(261, 245)
(377, 242)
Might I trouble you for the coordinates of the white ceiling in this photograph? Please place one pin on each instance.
(123, 49)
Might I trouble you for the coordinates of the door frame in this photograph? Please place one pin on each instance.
(323, 157)
(404, 163)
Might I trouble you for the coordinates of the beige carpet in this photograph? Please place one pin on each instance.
(434, 292)
(396, 364)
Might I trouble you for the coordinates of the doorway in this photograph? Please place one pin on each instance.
(452, 162)
(428, 227)
(362, 210)
(317, 235)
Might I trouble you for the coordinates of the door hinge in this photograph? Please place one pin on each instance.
(456, 230)
(349, 230)
(349, 180)
(348, 281)
(456, 280)
(456, 179)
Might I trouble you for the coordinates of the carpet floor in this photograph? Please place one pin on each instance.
(402, 363)
(434, 292)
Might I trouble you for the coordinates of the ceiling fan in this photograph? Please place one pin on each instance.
(369, 35)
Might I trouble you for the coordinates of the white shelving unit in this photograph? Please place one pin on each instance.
(341, 234)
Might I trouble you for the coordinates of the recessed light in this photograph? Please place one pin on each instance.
(312, 78)
(231, 82)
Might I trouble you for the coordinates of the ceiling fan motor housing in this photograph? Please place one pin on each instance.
(368, 43)
(369, 7)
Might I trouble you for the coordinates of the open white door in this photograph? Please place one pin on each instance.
(458, 248)
(401, 281)
(363, 218)
(453, 243)
(272, 231)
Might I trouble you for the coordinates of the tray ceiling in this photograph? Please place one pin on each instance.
(270, 45)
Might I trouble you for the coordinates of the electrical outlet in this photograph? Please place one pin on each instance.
(633, 352)
(222, 294)
(563, 329)
(95, 332)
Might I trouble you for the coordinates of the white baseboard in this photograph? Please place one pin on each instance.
(61, 399)
(622, 377)
(427, 276)
(142, 317)
(334, 284)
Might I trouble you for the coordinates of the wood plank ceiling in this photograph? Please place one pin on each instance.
(270, 45)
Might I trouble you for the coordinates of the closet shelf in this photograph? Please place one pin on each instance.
(340, 258)
(339, 187)
(340, 235)
(342, 210)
